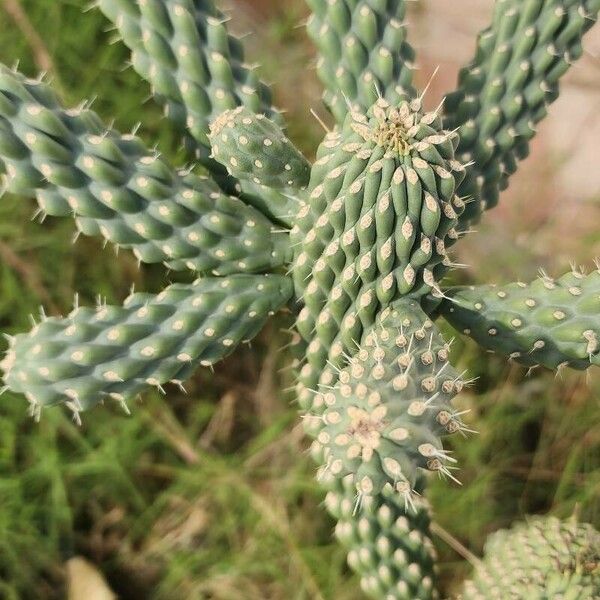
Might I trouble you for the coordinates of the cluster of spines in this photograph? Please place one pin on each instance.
(363, 52)
(253, 147)
(506, 90)
(549, 322)
(115, 352)
(542, 559)
(388, 546)
(117, 188)
(383, 420)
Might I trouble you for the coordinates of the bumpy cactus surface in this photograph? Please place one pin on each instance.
(355, 244)
(545, 558)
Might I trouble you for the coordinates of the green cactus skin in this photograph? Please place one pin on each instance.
(383, 419)
(381, 207)
(506, 89)
(197, 69)
(389, 546)
(363, 52)
(116, 352)
(544, 559)
(117, 188)
(363, 202)
(183, 48)
(549, 322)
(253, 147)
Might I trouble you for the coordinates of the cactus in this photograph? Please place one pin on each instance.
(542, 559)
(355, 244)
(550, 322)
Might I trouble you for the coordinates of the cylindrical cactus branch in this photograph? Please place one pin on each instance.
(506, 89)
(549, 322)
(113, 352)
(183, 49)
(197, 69)
(377, 430)
(383, 420)
(542, 559)
(381, 209)
(363, 52)
(389, 546)
(117, 188)
(252, 147)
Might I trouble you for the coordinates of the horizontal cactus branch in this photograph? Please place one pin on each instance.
(197, 69)
(117, 188)
(363, 52)
(253, 147)
(549, 322)
(116, 352)
(506, 89)
(543, 559)
(389, 546)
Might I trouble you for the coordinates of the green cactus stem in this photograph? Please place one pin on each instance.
(363, 52)
(383, 420)
(115, 352)
(183, 48)
(117, 188)
(253, 147)
(197, 70)
(381, 209)
(544, 559)
(549, 322)
(506, 89)
(389, 546)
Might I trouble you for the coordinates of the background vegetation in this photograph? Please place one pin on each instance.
(212, 495)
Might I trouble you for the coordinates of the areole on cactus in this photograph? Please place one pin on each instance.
(356, 244)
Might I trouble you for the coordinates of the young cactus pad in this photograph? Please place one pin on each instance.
(355, 244)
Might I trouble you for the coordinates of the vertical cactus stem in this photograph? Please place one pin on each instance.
(364, 54)
(382, 420)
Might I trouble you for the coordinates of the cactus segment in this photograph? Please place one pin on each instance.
(183, 48)
(505, 91)
(543, 559)
(380, 212)
(252, 147)
(389, 546)
(384, 418)
(117, 188)
(197, 69)
(363, 52)
(116, 352)
(549, 322)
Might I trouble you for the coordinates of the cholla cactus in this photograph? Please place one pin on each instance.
(356, 244)
(542, 559)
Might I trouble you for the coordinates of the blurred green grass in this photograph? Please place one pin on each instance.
(212, 495)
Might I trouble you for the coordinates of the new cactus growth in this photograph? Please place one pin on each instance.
(356, 244)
